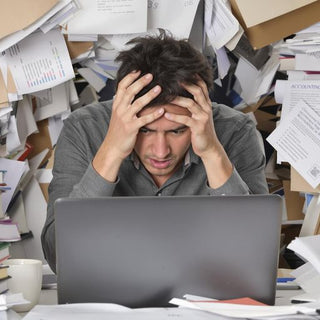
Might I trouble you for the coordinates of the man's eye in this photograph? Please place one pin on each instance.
(143, 130)
(178, 131)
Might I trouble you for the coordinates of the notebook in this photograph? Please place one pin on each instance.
(143, 251)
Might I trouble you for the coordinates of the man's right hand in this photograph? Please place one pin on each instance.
(125, 124)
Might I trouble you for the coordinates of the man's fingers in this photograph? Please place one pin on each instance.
(125, 83)
(148, 118)
(187, 103)
(140, 103)
(205, 90)
(199, 95)
(128, 87)
(189, 122)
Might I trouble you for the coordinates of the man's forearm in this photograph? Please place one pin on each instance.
(218, 167)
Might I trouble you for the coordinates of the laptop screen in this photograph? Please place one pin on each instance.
(143, 251)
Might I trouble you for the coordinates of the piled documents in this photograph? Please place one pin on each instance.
(246, 308)
(308, 275)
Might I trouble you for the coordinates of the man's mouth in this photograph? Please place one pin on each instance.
(160, 164)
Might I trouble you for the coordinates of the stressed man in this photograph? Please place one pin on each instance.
(160, 135)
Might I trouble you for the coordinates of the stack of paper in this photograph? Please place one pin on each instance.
(246, 308)
(299, 96)
(308, 275)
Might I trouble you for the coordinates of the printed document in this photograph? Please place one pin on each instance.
(39, 62)
(220, 24)
(109, 17)
(297, 139)
(307, 90)
(176, 16)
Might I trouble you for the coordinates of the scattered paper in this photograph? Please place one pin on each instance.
(295, 91)
(220, 24)
(109, 17)
(14, 171)
(297, 139)
(163, 14)
(39, 62)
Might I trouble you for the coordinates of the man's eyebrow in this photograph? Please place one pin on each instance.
(182, 127)
(178, 128)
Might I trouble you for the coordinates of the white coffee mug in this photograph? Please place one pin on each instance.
(26, 278)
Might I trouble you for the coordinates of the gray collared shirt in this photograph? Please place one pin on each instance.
(84, 131)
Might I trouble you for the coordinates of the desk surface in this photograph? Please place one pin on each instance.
(49, 297)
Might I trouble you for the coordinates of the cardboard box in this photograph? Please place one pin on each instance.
(280, 27)
(298, 183)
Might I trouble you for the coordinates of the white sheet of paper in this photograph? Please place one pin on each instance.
(247, 76)
(222, 62)
(306, 90)
(39, 62)
(164, 14)
(308, 62)
(220, 24)
(308, 248)
(294, 75)
(246, 311)
(25, 120)
(61, 17)
(44, 175)
(266, 75)
(109, 17)
(58, 102)
(15, 170)
(92, 78)
(13, 141)
(18, 215)
(297, 139)
(280, 90)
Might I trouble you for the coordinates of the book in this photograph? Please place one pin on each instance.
(4, 285)
(9, 231)
(4, 251)
(3, 272)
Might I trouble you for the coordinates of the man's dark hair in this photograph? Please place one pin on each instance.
(170, 61)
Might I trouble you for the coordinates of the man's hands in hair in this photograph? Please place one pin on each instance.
(125, 124)
(204, 140)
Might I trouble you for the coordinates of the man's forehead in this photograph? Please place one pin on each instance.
(170, 107)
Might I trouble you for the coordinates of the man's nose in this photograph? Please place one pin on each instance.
(161, 147)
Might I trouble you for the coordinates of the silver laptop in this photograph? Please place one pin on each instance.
(143, 251)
